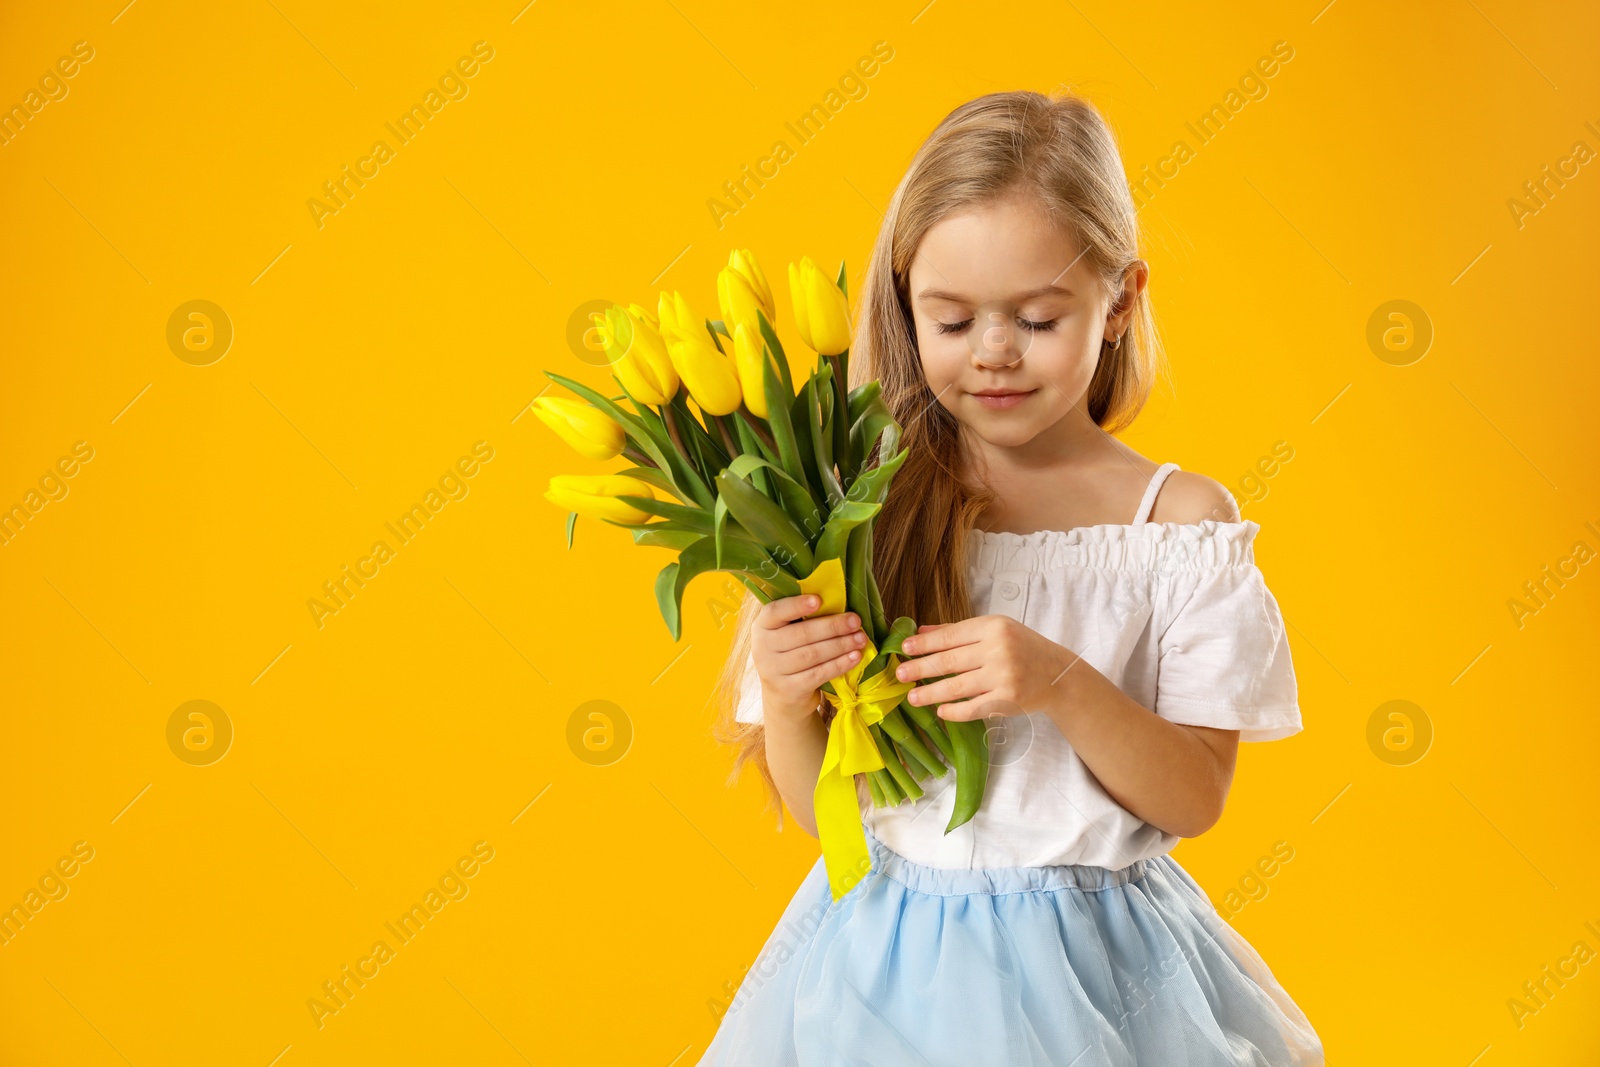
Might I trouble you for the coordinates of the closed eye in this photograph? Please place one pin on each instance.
(1026, 324)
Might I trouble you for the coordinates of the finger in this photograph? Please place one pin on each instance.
(957, 687)
(931, 626)
(779, 613)
(978, 707)
(935, 664)
(820, 628)
(818, 653)
(946, 635)
(827, 672)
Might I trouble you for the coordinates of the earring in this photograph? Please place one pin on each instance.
(1117, 343)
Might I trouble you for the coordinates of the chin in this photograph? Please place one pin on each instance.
(1002, 436)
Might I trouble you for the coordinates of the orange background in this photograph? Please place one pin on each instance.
(431, 712)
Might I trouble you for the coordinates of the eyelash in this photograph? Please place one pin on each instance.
(1027, 324)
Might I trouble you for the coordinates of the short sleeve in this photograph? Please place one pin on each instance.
(1224, 657)
(749, 709)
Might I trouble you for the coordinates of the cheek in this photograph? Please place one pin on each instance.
(942, 360)
(1067, 358)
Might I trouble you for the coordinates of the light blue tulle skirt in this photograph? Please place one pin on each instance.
(1066, 966)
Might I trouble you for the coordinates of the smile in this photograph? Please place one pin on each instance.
(1002, 400)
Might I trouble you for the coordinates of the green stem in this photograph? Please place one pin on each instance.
(895, 725)
(933, 726)
(727, 436)
(638, 457)
(677, 438)
(892, 794)
(757, 429)
(876, 790)
(897, 770)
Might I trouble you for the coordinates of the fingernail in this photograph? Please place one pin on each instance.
(907, 646)
(812, 601)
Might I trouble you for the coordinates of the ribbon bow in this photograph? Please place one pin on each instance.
(851, 747)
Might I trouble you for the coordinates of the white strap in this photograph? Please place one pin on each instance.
(1150, 492)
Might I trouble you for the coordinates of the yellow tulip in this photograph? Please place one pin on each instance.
(744, 261)
(821, 312)
(748, 356)
(710, 376)
(638, 354)
(738, 301)
(646, 314)
(594, 496)
(583, 426)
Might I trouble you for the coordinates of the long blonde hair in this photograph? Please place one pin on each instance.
(1059, 149)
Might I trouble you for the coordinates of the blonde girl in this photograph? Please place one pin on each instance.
(1103, 612)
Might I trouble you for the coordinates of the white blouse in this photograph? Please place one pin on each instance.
(1175, 614)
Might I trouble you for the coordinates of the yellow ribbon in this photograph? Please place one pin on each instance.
(851, 749)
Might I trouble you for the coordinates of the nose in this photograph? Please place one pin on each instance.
(994, 339)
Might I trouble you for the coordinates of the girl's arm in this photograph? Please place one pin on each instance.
(794, 656)
(1172, 776)
(795, 741)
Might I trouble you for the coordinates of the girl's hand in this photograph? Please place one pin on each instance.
(794, 655)
(997, 666)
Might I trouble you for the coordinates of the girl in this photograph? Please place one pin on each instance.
(1118, 662)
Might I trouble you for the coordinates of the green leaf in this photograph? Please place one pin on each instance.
(770, 336)
(660, 538)
(859, 578)
(800, 417)
(712, 455)
(903, 628)
(653, 476)
(873, 485)
(638, 433)
(819, 408)
(780, 420)
(769, 523)
(796, 499)
(750, 444)
(861, 396)
(744, 557)
(838, 421)
(874, 598)
(572, 520)
(840, 281)
(971, 743)
(836, 533)
(693, 518)
(668, 599)
(867, 423)
(746, 423)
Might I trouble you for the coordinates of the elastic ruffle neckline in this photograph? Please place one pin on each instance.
(1118, 546)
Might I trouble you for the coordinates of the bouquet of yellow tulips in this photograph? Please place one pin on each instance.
(779, 487)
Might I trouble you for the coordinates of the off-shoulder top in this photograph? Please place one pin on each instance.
(1176, 614)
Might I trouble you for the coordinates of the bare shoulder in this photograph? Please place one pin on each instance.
(1190, 497)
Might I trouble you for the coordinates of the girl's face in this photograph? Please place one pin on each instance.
(1008, 254)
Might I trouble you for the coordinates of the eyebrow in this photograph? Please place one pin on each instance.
(1043, 290)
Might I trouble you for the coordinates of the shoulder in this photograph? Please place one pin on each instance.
(1190, 497)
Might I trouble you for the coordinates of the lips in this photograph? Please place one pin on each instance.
(1003, 398)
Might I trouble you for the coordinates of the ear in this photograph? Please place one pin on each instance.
(1134, 280)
